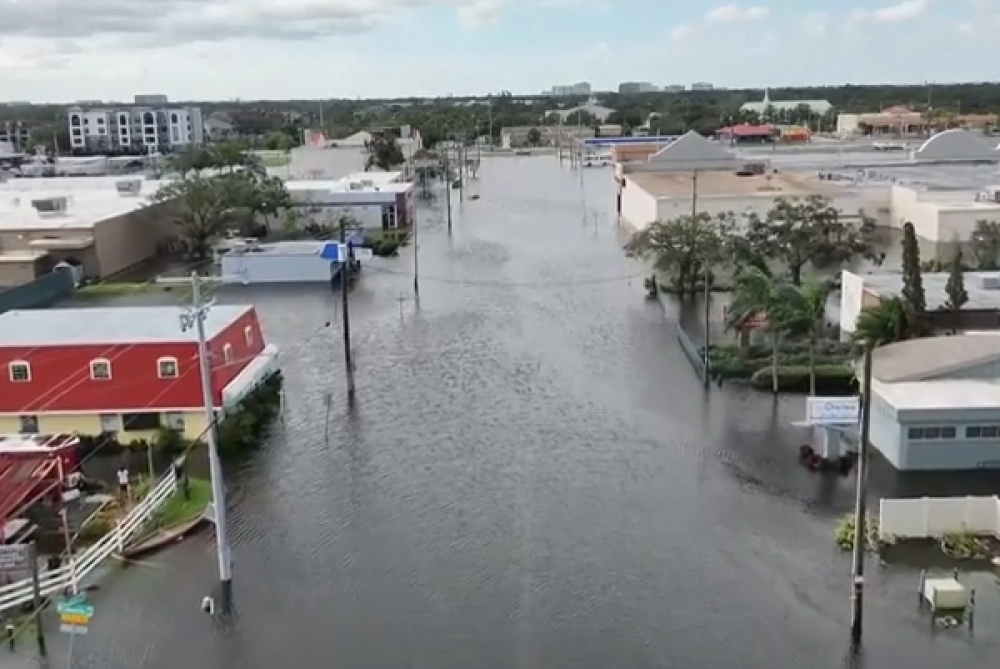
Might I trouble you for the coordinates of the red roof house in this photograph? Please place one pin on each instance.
(130, 370)
(747, 131)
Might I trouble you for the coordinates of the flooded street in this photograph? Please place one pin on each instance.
(533, 478)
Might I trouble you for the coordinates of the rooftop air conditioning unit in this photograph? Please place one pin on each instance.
(367, 183)
(50, 206)
(355, 185)
(129, 187)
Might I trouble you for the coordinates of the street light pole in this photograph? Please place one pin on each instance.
(860, 505)
(706, 288)
(194, 317)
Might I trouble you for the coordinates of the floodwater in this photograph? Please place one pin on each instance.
(533, 478)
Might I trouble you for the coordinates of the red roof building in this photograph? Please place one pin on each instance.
(122, 370)
(747, 131)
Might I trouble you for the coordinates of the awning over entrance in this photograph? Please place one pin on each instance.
(63, 243)
(261, 367)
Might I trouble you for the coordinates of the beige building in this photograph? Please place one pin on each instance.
(104, 225)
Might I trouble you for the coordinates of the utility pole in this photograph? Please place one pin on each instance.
(447, 198)
(195, 317)
(345, 293)
(36, 594)
(461, 168)
(860, 505)
(489, 111)
(707, 295)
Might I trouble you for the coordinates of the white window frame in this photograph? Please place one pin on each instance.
(168, 360)
(95, 364)
(248, 335)
(227, 354)
(19, 364)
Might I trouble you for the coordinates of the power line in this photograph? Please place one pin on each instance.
(587, 281)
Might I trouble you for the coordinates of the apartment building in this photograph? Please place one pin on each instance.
(573, 90)
(636, 87)
(17, 134)
(134, 129)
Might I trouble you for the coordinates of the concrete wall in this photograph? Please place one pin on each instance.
(638, 208)
(940, 215)
(886, 433)
(854, 298)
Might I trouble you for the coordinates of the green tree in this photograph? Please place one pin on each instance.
(797, 232)
(986, 245)
(887, 322)
(913, 281)
(192, 159)
(534, 137)
(201, 208)
(228, 156)
(958, 296)
(384, 152)
(259, 198)
(684, 247)
(805, 311)
(760, 297)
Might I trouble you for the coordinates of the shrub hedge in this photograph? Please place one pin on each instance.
(732, 362)
(830, 379)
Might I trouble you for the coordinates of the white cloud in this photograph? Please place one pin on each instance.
(734, 12)
(480, 13)
(904, 11)
(815, 24)
(681, 32)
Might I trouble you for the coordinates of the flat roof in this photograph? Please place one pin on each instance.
(89, 201)
(21, 256)
(106, 326)
(890, 284)
(917, 359)
(942, 395)
(724, 182)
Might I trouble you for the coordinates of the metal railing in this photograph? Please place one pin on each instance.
(77, 567)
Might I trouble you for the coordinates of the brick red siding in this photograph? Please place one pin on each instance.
(60, 375)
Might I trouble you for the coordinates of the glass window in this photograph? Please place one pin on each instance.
(140, 422)
(227, 353)
(948, 432)
(915, 433)
(174, 420)
(166, 368)
(100, 369)
(29, 424)
(989, 431)
(248, 335)
(20, 371)
(973, 432)
(110, 423)
(932, 433)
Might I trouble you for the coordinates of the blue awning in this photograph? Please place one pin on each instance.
(332, 251)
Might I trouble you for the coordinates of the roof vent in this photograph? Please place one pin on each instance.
(989, 281)
(129, 187)
(50, 206)
(356, 185)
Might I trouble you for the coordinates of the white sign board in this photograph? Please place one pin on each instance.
(363, 254)
(13, 557)
(833, 410)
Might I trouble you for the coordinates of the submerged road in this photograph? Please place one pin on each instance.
(533, 479)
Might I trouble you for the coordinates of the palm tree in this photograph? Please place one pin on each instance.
(806, 312)
(887, 322)
(760, 298)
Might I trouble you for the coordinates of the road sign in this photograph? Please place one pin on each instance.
(74, 615)
(73, 629)
(14, 556)
(830, 411)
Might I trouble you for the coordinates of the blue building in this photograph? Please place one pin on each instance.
(936, 402)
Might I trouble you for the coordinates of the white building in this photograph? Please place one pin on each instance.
(281, 262)
(573, 90)
(936, 403)
(134, 129)
(819, 107)
(591, 107)
(376, 200)
(943, 188)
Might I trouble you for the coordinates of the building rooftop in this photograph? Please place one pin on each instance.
(108, 326)
(889, 284)
(89, 200)
(721, 183)
(943, 395)
(918, 359)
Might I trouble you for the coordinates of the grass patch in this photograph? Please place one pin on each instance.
(115, 288)
(179, 510)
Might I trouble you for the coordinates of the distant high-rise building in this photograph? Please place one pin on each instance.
(573, 90)
(674, 88)
(134, 129)
(702, 86)
(634, 87)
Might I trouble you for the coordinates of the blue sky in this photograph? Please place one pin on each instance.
(368, 48)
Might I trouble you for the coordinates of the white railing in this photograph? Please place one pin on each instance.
(935, 516)
(79, 566)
